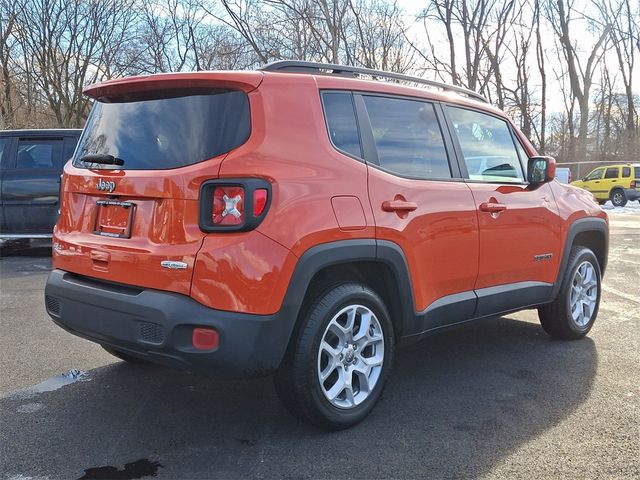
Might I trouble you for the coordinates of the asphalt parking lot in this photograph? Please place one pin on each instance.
(497, 399)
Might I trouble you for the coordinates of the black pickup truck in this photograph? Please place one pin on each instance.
(31, 163)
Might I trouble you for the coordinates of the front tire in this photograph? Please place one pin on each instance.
(572, 314)
(337, 364)
(618, 198)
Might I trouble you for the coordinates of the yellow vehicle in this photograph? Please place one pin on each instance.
(618, 183)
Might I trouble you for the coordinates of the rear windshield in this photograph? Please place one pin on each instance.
(166, 130)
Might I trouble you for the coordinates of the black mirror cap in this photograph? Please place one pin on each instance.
(541, 170)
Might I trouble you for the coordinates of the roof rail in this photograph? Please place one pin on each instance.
(300, 66)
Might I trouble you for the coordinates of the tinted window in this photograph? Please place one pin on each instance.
(168, 132)
(4, 150)
(612, 172)
(408, 137)
(341, 122)
(636, 172)
(487, 146)
(595, 175)
(39, 153)
(626, 172)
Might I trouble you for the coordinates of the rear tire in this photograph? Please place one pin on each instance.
(338, 362)
(123, 356)
(618, 198)
(572, 314)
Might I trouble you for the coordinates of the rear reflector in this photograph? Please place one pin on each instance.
(259, 201)
(205, 339)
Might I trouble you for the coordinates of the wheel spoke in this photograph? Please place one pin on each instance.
(339, 332)
(337, 388)
(363, 378)
(373, 361)
(351, 319)
(365, 325)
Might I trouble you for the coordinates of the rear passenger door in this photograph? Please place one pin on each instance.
(519, 224)
(421, 204)
(30, 186)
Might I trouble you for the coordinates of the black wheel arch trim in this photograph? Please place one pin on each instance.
(582, 225)
(343, 252)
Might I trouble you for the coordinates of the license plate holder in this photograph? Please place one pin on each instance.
(114, 218)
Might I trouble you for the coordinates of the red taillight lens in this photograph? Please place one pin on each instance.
(633, 184)
(228, 206)
(259, 201)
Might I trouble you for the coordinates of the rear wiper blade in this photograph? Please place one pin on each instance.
(103, 158)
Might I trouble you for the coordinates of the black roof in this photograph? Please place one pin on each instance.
(41, 132)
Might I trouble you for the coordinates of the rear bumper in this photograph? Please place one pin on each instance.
(157, 326)
(632, 193)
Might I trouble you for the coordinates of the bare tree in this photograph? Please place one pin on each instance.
(580, 73)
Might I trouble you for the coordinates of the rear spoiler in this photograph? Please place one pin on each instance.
(245, 81)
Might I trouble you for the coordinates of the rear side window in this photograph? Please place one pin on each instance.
(626, 172)
(637, 172)
(39, 153)
(168, 130)
(487, 146)
(612, 172)
(408, 137)
(341, 122)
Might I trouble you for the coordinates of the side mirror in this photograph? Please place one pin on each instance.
(541, 170)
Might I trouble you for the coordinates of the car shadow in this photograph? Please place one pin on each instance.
(457, 404)
(25, 248)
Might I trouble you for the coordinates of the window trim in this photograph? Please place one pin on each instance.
(458, 147)
(369, 146)
(355, 114)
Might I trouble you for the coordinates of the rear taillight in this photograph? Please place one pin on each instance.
(633, 184)
(233, 205)
(228, 206)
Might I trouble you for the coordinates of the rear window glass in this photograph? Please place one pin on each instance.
(636, 172)
(341, 122)
(626, 172)
(168, 132)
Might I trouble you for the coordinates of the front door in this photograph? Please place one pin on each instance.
(520, 238)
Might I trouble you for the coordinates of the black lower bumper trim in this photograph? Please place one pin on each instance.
(157, 326)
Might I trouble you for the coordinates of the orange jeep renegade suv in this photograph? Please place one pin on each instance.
(303, 219)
